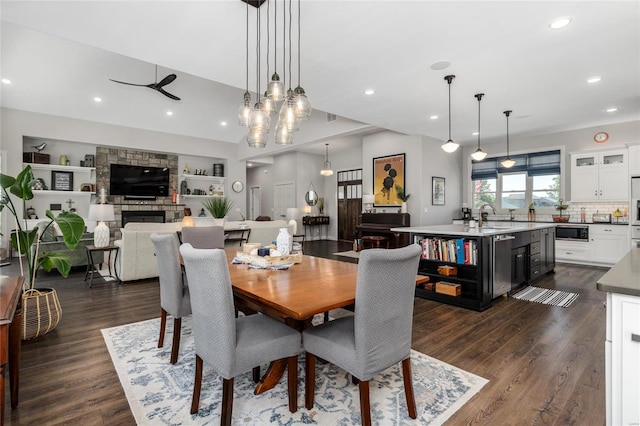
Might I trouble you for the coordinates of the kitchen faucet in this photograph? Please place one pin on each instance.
(480, 213)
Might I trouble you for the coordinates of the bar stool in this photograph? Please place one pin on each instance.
(375, 241)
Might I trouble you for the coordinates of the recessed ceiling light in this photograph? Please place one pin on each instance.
(169, 113)
(249, 164)
(223, 123)
(6, 81)
(612, 109)
(474, 134)
(440, 65)
(594, 79)
(97, 99)
(433, 117)
(559, 23)
(369, 92)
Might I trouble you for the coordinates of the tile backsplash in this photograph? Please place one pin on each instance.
(573, 211)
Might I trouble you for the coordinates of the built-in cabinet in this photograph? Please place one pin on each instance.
(200, 186)
(622, 352)
(473, 274)
(634, 160)
(600, 176)
(609, 243)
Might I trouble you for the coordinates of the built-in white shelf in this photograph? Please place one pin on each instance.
(40, 192)
(203, 177)
(37, 166)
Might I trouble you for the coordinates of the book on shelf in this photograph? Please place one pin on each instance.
(453, 250)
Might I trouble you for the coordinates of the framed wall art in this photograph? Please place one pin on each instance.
(388, 172)
(61, 181)
(437, 191)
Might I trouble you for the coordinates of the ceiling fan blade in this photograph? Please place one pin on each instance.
(167, 94)
(167, 80)
(129, 84)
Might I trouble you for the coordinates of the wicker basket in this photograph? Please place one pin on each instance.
(41, 312)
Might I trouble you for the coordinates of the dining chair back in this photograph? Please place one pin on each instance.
(378, 335)
(174, 295)
(234, 345)
(204, 237)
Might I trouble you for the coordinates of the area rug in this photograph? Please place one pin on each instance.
(350, 253)
(546, 296)
(160, 393)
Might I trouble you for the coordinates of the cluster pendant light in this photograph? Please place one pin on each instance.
(326, 168)
(479, 154)
(295, 104)
(507, 162)
(450, 146)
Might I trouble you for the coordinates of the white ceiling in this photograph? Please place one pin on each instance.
(60, 54)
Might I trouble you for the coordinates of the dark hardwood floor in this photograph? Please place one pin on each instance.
(545, 364)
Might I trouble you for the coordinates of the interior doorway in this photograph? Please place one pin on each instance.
(255, 198)
(283, 198)
(349, 203)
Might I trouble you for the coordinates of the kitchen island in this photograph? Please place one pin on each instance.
(472, 266)
(622, 344)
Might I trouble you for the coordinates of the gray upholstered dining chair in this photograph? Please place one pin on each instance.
(204, 237)
(378, 335)
(174, 295)
(233, 345)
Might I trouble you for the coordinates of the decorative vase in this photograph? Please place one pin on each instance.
(219, 221)
(41, 312)
(403, 207)
(283, 242)
(63, 160)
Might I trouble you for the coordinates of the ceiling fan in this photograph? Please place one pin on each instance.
(158, 86)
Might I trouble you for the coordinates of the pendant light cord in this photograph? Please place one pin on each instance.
(290, 49)
(258, 55)
(268, 35)
(449, 80)
(479, 97)
(507, 114)
(284, 44)
(298, 43)
(247, 50)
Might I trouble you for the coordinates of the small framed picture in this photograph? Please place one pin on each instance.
(61, 181)
(437, 194)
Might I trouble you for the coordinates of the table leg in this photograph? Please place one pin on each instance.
(15, 345)
(115, 266)
(89, 265)
(277, 368)
(93, 268)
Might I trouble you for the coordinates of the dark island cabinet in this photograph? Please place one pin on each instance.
(470, 256)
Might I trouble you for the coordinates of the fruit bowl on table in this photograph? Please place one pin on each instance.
(558, 218)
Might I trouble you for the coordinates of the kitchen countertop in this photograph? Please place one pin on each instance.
(501, 221)
(624, 276)
(492, 228)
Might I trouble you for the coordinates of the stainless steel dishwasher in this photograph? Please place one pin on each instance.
(501, 264)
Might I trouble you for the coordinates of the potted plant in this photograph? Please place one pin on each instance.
(560, 207)
(41, 308)
(321, 205)
(403, 197)
(218, 207)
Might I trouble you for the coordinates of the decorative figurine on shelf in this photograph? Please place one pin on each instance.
(202, 213)
(186, 169)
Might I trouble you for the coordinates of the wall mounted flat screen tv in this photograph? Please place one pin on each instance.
(139, 180)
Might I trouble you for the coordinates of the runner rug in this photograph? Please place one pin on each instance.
(350, 253)
(160, 393)
(546, 296)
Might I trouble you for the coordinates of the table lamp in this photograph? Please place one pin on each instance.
(187, 220)
(368, 200)
(101, 213)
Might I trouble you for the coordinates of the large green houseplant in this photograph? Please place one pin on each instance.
(27, 242)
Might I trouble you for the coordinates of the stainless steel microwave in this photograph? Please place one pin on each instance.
(572, 232)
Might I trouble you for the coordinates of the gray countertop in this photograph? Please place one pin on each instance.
(624, 276)
(487, 230)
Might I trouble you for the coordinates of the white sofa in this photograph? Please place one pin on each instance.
(136, 256)
(136, 259)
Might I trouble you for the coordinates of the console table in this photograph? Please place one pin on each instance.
(10, 328)
(316, 221)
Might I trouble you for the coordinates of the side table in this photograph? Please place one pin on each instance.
(91, 266)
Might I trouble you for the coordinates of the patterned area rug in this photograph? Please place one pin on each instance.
(160, 393)
(350, 253)
(546, 296)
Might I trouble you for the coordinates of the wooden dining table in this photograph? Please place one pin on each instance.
(10, 337)
(294, 295)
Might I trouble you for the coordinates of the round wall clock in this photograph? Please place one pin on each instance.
(601, 137)
(237, 186)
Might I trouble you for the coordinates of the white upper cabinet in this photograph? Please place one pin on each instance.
(600, 176)
(634, 160)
